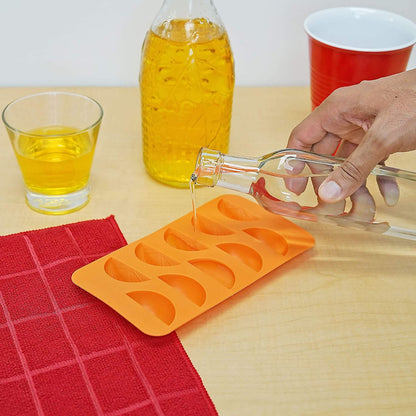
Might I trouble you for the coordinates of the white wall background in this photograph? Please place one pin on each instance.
(97, 42)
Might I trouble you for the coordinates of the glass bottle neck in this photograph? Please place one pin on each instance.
(214, 168)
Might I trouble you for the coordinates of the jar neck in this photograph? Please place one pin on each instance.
(187, 10)
(214, 168)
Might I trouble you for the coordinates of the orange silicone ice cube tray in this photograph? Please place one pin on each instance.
(167, 278)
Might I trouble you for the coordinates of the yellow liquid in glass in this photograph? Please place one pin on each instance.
(55, 160)
(186, 94)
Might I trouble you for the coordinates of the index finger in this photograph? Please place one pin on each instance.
(307, 133)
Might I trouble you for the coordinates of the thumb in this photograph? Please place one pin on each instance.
(350, 175)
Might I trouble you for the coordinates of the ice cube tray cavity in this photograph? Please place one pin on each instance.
(167, 278)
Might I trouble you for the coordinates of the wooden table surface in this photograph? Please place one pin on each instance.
(332, 332)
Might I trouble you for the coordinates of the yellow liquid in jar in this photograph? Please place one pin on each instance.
(186, 94)
(55, 160)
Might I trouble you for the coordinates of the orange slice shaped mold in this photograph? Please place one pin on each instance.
(244, 254)
(216, 270)
(155, 303)
(120, 271)
(187, 286)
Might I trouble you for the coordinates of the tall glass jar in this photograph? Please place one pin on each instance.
(186, 84)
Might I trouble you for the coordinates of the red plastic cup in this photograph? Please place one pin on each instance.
(348, 45)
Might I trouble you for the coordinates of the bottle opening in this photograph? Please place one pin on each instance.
(207, 167)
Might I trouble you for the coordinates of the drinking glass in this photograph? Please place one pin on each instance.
(53, 135)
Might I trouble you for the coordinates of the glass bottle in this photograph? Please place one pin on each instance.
(285, 182)
(186, 84)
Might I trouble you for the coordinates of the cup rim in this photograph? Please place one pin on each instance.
(17, 100)
(367, 10)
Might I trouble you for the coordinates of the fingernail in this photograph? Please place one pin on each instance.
(391, 197)
(330, 191)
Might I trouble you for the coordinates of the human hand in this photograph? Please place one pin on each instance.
(364, 124)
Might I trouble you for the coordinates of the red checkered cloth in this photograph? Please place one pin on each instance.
(63, 352)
